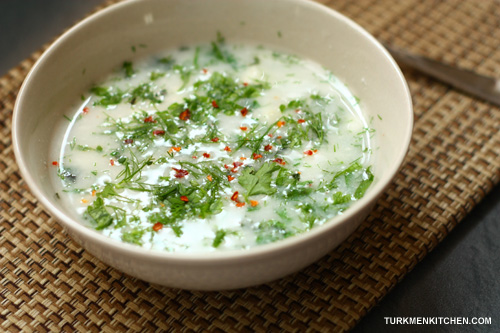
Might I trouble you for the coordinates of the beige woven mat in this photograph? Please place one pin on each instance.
(49, 283)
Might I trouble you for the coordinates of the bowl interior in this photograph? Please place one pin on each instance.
(136, 28)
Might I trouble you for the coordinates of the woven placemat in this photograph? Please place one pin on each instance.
(50, 283)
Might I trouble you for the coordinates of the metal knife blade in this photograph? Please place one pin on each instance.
(484, 87)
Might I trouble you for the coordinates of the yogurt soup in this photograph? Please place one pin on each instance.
(214, 147)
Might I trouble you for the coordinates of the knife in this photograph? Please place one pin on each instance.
(484, 87)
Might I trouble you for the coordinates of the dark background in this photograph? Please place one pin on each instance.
(461, 277)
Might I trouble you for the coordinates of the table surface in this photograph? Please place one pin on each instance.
(459, 278)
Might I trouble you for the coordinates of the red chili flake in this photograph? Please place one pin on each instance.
(158, 132)
(315, 150)
(270, 135)
(280, 123)
(308, 152)
(206, 155)
(243, 128)
(245, 84)
(214, 104)
(149, 120)
(215, 139)
(205, 71)
(234, 197)
(254, 203)
(55, 163)
(279, 161)
(237, 164)
(257, 156)
(209, 177)
(185, 115)
(184, 198)
(180, 173)
(157, 226)
(227, 148)
(297, 111)
(301, 121)
(94, 192)
(268, 148)
(177, 149)
(112, 162)
(240, 204)
(244, 112)
(195, 157)
(128, 141)
(229, 177)
(279, 137)
(86, 110)
(243, 158)
(227, 166)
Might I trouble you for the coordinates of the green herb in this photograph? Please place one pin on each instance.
(219, 237)
(98, 214)
(67, 118)
(134, 236)
(128, 68)
(258, 182)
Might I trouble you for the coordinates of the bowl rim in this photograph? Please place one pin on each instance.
(209, 257)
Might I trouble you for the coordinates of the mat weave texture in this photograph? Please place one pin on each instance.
(49, 283)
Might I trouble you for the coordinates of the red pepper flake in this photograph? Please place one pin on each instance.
(240, 204)
(157, 226)
(55, 163)
(243, 128)
(234, 197)
(215, 139)
(195, 157)
(237, 164)
(227, 148)
(301, 121)
(254, 203)
(279, 137)
(280, 124)
(243, 158)
(256, 156)
(309, 152)
(205, 71)
(209, 177)
(128, 141)
(177, 149)
(158, 132)
(227, 166)
(112, 162)
(180, 173)
(244, 112)
(93, 193)
(270, 135)
(297, 111)
(315, 150)
(206, 155)
(229, 177)
(214, 104)
(185, 115)
(245, 84)
(184, 198)
(84, 201)
(279, 161)
(149, 120)
(268, 148)
(86, 110)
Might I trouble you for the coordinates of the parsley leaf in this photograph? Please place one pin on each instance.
(99, 215)
(258, 182)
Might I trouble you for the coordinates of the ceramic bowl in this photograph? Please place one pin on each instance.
(103, 41)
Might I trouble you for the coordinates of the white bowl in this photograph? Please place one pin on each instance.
(103, 41)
